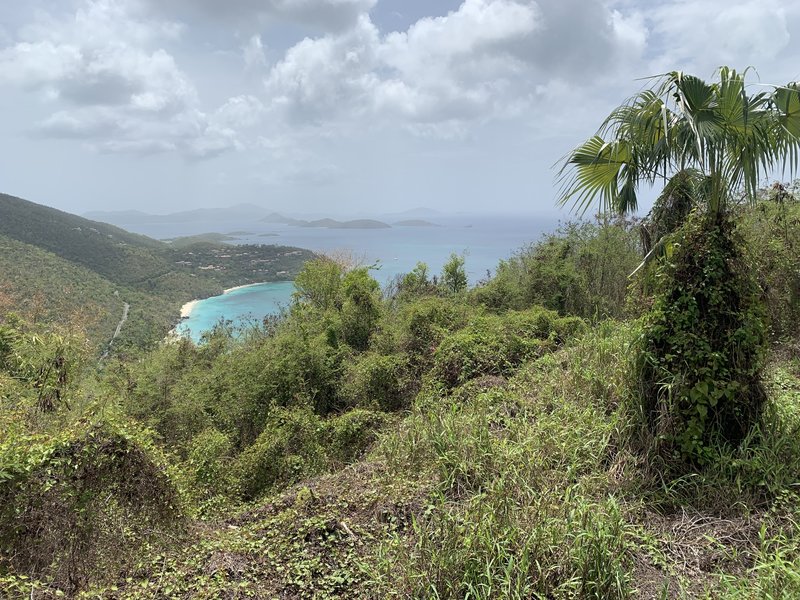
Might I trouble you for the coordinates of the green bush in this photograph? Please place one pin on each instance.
(581, 270)
(348, 436)
(208, 461)
(374, 380)
(288, 449)
(495, 345)
(771, 231)
(361, 308)
(78, 506)
(702, 350)
(425, 322)
(298, 443)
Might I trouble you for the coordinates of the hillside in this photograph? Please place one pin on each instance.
(112, 252)
(60, 290)
(431, 441)
(154, 277)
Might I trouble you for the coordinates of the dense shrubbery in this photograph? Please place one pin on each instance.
(771, 232)
(581, 270)
(703, 346)
(493, 446)
(82, 489)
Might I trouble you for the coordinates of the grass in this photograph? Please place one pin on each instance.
(529, 486)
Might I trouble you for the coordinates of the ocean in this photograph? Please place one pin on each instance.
(483, 240)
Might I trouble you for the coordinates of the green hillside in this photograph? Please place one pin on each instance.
(92, 268)
(430, 441)
(116, 254)
(53, 289)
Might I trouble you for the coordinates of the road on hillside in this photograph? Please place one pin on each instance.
(125, 308)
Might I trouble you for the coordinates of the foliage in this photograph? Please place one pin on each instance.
(73, 505)
(676, 201)
(297, 443)
(417, 283)
(425, 444)
(493, 345)
(703, 349)
(771, 231)
(361, 308)
(582, 269)
(731, 137)
(454, 277)
(703, 344)
(379, 381)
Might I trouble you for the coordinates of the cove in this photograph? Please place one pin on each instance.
(241, 305)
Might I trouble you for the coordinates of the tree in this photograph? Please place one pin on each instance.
(454, 277)
(361, 308)
(319, 283)
(701, 350)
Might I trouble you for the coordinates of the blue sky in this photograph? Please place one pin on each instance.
(340, 106)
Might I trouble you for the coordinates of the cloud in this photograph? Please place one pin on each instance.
(115, 88)
(327, 15)
(482, 61)
(701, 35)
(328, 76)
(253, 54)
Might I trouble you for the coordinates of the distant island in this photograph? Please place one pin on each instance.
(252, 213)
(415, 223)
(211, 238)
(327, 223)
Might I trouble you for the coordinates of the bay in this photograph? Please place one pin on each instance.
(483, 240)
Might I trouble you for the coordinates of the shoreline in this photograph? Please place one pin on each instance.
(186, 309)
(240, 287)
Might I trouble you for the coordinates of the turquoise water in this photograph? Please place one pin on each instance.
(483, 239)
(241, 306)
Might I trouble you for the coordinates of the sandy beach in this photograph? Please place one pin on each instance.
(187, 308)
(240, 287)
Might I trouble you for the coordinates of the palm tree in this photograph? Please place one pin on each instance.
(730, 138)
(700, 355)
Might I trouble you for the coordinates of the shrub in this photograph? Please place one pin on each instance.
(298, 443)
(771, 230)
(494, 345)
(581, 270)
(360, 309)
(288, 449)
(78, 506)
(425, 323)
(703, 343)
(377, 381)
(208, 461)
(348, 436)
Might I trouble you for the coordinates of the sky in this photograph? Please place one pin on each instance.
(341, 106)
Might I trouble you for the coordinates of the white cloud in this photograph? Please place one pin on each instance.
(701, 35)
(480, 62)
(328, 15)
(253, 54)
(115, 88)
(327, 76)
